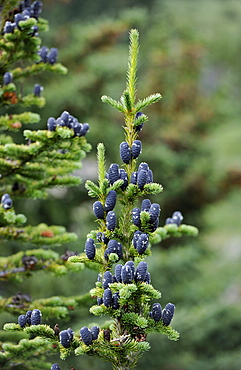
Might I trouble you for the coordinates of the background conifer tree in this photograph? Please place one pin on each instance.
(31, 162)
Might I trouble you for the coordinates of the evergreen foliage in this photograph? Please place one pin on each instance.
(199, 86)
(44, 159)
(47, 160)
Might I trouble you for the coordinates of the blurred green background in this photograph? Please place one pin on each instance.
(190, 53)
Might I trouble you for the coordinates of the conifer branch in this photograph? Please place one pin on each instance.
(54, 307)
(101, 162)
(140, 120)
(38, 235)
(35, 69)
(93, 190)
(113, 103)
(147, 101)
(31, 350)
(46, 169)
(11, 122)
(132, 65)
(22, 264)
(126, 98)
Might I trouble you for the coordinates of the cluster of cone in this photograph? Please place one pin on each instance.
(113, 246)
(154, 212)
(87, 335)
(165, 315)
(66, 337)
(125, 274)
(26, 11)
(67, 120)
(48, 55)
(142, 176)
(176, 218)
(33, 317)
(127, 153)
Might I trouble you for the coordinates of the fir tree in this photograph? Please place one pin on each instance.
(43, 159)
(178, 56)
(117, 249)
